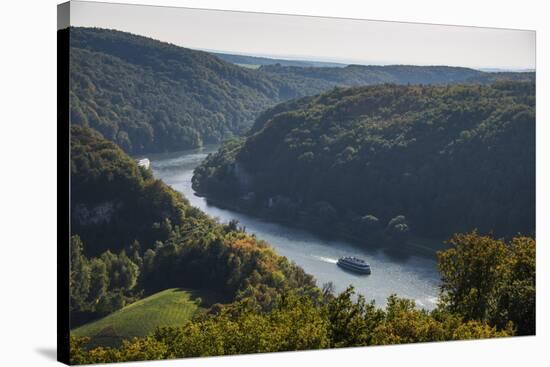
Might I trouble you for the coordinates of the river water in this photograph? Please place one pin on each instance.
(412, 277)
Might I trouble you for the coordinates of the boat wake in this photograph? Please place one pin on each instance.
(326, 259)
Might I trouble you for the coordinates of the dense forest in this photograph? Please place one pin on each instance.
(378, 163)
(353, 151)
(265, 303)
(150, 96)
(488, 290)
(133, 235)
(357, 75)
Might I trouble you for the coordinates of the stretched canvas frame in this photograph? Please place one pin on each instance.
(136, 104)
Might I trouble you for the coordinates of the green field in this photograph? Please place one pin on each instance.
(171, 307)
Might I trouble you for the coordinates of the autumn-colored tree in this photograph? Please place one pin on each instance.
(490, 280)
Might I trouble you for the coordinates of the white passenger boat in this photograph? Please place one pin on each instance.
(354, 264)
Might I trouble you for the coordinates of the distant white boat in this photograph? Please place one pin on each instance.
(145, 163)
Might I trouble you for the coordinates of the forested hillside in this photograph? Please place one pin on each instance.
(357, 75)
(256, 61)
(113, 201)
(133, 235)
(264, 302)
(375, 154)
(378, 163)
(151, 96)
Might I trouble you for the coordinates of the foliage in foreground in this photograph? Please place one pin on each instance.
(297, 321)
(490, 280)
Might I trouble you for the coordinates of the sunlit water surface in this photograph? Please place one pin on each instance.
(411, 277)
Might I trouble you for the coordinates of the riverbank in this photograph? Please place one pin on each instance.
(408, 275)
(414, 245)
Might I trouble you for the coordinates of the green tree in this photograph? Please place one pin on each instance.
(99, 281)
(351, 322)
(79, 278)
(517, 302)
(490, 280)
(122, 270)
(135, 253)
(472, 275)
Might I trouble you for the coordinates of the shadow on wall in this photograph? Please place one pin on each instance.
(49, 353)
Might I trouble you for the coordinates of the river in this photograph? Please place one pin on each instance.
(412, 277)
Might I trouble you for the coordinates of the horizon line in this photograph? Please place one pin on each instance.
(342, 61)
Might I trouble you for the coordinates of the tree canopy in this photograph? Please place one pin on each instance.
(150, 96)
(266, 303)
(373, 163)
(298, 321)
(388, 160)
(491, 280)
(133, 235)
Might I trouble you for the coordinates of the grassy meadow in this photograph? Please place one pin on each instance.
(170, 307)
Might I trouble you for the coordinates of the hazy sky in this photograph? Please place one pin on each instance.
(316, 38)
